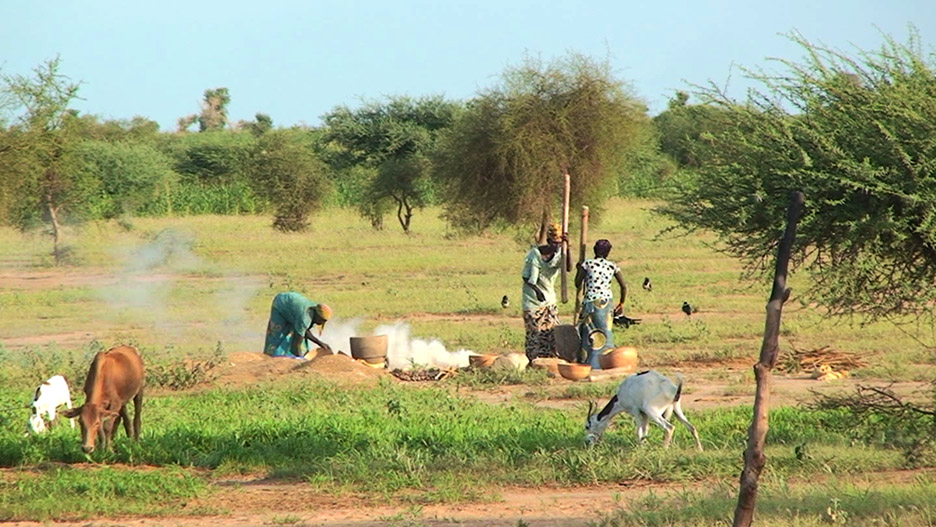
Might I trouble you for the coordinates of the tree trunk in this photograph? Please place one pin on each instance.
(404, 219)
(543, 228)
(57, 249)
(754, 458)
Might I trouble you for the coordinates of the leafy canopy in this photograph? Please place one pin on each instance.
(389, 144)
(857, 136)
(503, 160)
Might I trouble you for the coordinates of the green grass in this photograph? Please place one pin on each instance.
(66, 493)
(427, 444)
(217, 281)
(779, 504)
(201, 286)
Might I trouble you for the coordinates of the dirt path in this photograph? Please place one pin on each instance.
(260, 502)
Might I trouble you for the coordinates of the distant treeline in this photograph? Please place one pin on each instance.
(492, 159)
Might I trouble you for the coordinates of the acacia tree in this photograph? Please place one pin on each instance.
(856, 135)
(37, 158)
(391, 142)
(503, 160)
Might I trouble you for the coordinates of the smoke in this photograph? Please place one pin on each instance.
(338, 333)
(140, 293)
(403, 351)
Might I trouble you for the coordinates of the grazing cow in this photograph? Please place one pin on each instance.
(115, 377)
(49, 396)
(647, 396)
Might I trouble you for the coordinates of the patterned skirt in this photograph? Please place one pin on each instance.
(540, 338)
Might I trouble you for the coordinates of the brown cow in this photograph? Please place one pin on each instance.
(115, 377)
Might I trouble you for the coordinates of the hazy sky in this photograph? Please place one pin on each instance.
(296, 60)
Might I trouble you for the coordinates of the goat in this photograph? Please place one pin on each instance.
(48, 397)
(647, 396)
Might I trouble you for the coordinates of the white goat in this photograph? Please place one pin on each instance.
(648, 396)
(49, 396)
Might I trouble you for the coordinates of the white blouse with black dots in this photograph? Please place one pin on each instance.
(598, 275)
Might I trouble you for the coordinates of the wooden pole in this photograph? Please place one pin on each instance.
(583, 247)
(565, 244)
(754, 458)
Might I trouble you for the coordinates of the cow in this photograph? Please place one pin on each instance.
(48, 397)
(115, 377)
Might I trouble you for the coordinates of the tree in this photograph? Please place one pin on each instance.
(856, 135)
(287, 173)
(682, 126)
(213, 115)
(38, 160)
(392, 141)
(128, 174)
(503, 160)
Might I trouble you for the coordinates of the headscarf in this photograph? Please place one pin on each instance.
(323, 312)
(554, 234)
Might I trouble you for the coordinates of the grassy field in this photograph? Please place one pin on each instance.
(201, 287)
(187, 284)
(431, 443)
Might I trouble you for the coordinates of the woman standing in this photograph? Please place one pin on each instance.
(290, 327)
(540, 313)
(596, 311)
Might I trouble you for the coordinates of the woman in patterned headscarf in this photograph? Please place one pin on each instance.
(290, 327)
(540, 313)
(596, 312)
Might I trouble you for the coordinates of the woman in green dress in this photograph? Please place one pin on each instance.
(290, 327)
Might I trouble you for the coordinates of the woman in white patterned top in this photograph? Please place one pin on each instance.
(597, 313)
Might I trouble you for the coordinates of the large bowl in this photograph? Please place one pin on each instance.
(371, 349)
(574, 371)
(623, 357)
(482, 361)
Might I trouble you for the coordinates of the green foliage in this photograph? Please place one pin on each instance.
(856, 136)
(503, 160)
(645, 171)
(389, 142)
(286, 171)
(130, 176)
(39, 176)
(193, 198)
(682, 126)
(210, 158)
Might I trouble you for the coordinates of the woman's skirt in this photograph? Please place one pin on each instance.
(540, 337)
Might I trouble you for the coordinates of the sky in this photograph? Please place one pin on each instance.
(296, 60)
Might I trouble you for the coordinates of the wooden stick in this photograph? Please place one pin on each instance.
(583, 247)
(565, 244)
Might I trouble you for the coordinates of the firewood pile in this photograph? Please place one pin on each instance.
(428, 374)
(811, 360)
